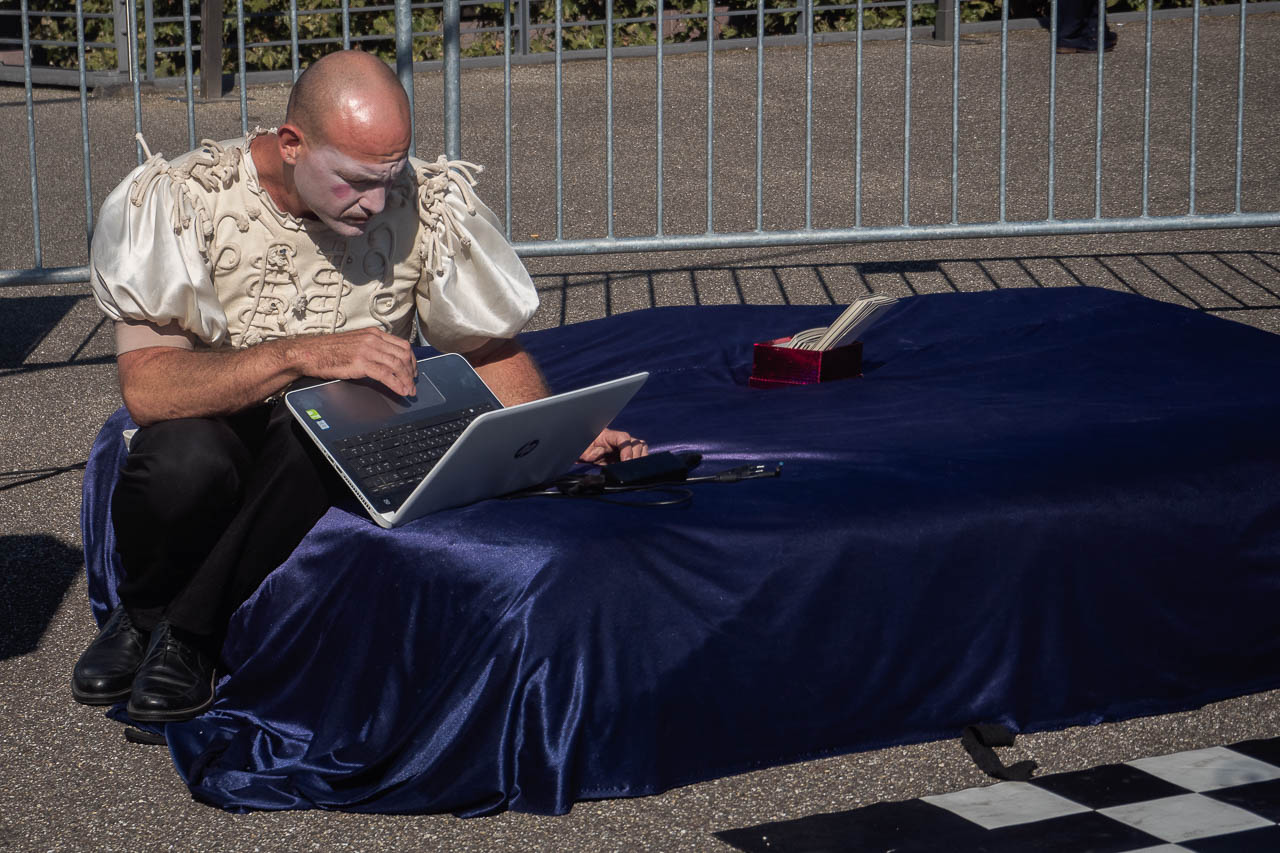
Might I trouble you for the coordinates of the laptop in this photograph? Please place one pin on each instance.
(452, 443)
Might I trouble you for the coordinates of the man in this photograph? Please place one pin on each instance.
(316, 250)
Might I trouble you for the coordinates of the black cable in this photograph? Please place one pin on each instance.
(682, 496)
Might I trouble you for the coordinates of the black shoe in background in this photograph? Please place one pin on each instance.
(1085, 40)
(174, 682)
(104, 673)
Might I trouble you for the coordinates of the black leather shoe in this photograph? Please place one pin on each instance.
(1085, 40)
(104, 673)
(174, 682)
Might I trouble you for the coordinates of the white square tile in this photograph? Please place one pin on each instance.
(1005, 804)
(1185, 817)
(1208, 769)
(1163, 848)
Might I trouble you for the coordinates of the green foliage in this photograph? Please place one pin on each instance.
(267, 26)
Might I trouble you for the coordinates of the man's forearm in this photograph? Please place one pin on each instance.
(163, 383)
(509, 372)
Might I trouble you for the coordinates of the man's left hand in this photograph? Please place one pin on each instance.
(613, 445)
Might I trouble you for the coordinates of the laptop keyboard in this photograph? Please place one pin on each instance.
(396, 458)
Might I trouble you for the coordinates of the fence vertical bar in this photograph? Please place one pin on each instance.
(808, 114)
(1004, 106)
(131, 12)
(404, 70)
(857, 125)
(346, 24)
(506, 107)
(293, 36)
(1053, 102)
(559, 120)
(759, 115)
(608, 119)
(1195, 93)
(1240, 113)
(240, 68)
(211, 48)
(906, 125)
(31, 135)
(452, 75)
(711, 108)
(1097, 141)
(1146, 117)
(661, 38)
(186, 51)
(84, 126)
(955, 112)
(148, 19)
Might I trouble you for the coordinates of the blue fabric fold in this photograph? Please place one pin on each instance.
(1037, 508)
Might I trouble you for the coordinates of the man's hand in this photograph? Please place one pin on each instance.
(613, 445)
(363, 354)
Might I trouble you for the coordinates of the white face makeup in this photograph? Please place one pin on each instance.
(343, 192)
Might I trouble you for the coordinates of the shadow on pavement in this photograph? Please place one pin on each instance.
(35, 573)
(1205, 280)
(25, 323)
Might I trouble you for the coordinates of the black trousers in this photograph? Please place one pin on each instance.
(1077, 15)
(205, 508)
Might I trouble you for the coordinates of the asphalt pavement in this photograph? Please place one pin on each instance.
(68, 779)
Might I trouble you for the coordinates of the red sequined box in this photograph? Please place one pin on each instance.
(776, 366)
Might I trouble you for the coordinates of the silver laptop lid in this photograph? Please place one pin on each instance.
(518, 447)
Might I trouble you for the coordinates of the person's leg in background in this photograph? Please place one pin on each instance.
(1078, 27)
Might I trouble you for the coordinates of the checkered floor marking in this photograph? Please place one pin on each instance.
(1006, 804)
(1208, 769)
(1186, 817)
(1216, 800)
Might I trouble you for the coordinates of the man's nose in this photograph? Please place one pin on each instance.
(374, 200)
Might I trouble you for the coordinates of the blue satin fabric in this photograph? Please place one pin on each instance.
(1038, 507)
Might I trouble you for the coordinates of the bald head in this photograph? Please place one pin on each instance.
(346, 95)
(344, 142)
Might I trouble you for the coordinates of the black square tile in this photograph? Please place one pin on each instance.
(1264, 840)
(907, 827)
(1261, 798)
(1108, 785)
(1266, 749)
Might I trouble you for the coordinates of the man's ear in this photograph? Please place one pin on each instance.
(289, 141)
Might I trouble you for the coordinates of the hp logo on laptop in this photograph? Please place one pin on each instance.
(527, 448)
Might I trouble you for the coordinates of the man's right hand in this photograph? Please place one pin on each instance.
(163, 383)
(364, 354)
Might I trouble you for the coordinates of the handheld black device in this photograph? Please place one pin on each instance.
(665, 467)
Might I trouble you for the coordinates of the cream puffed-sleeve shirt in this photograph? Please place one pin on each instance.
(196, 248)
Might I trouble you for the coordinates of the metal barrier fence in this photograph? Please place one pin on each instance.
(660, 238)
